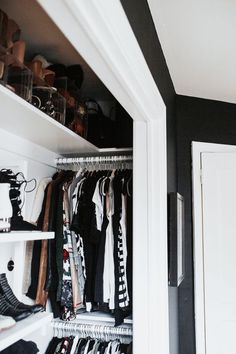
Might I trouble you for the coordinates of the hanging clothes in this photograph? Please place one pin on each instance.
(76, 345)
(88, 265)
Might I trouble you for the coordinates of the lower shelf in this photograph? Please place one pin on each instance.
(24, 328)
(101, 317)
(19, 236)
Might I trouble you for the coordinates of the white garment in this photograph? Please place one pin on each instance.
(38, 199)
(114, 347)
(109, 268)
(97, 200)
(75, 342)
(107, 351)
(86, 347)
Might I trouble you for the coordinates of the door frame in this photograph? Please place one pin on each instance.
(101, 33)
(198, 148)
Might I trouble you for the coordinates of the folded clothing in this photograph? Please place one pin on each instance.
(21, 347)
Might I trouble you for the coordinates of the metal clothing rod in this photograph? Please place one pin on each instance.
(96, 162)
(93, 159)
(103, 332)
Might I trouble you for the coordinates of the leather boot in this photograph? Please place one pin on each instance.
(7, 309)
(6, 290)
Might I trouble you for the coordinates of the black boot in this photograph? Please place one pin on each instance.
(5, 290)
(7, 309)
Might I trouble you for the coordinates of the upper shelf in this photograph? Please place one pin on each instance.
(23, 119)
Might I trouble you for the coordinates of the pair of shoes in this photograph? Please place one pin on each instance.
(8, 295)
(73, 72)
(68, 81)
(6, 322)
(13, 42)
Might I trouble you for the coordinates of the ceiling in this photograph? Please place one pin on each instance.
(43, 37)
(197, 38)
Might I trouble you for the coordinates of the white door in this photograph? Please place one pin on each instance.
(219, 251)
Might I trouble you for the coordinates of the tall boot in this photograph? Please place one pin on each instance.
(17, 222)
(7, 309)
(6, 290)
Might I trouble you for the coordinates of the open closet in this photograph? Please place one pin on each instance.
(37, 145)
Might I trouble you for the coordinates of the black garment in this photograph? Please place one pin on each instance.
(117, 187)
(53, 345)
(81, 344)
(130, 348)
(63, 176)
(103, 348)
(21, 347)
(120, 187)
(55, 246)
(129, 240)
(84, 224)
(59, 237)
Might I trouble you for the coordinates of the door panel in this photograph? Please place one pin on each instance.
(219, 250)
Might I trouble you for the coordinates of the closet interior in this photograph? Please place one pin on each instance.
(66, 156)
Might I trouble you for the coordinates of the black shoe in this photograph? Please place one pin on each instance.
(6, 291)
(7, 309)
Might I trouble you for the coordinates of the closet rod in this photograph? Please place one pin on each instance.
(93, 159)
(63, 329)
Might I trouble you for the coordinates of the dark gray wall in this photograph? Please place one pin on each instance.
(205, 121)
(140, 19)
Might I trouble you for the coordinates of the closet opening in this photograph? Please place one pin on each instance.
(33, 141)
(82, 200)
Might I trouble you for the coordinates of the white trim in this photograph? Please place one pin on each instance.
(101, 33)
(197, 150)
(140, 234)
(157, 243)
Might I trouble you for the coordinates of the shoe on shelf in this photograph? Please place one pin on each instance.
(6, 322)
(13, 33)
(16, 181)
(6, 309)
(6, 291)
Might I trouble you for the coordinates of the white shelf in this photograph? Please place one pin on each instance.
(18, 236)
(97, 316)
(24, 328)
(26, 121)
